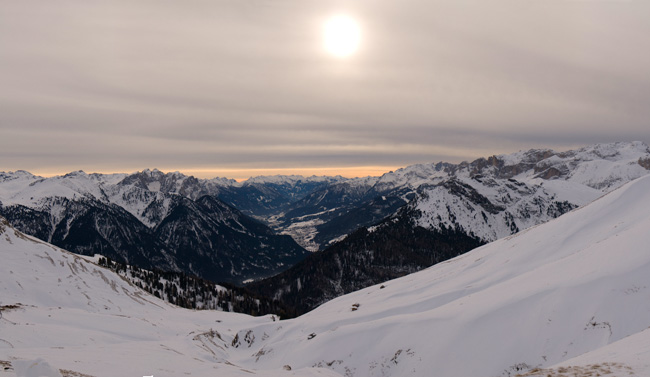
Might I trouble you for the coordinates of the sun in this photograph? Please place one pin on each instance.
(341, 36)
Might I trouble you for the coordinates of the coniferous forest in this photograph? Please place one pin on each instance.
(192, 292)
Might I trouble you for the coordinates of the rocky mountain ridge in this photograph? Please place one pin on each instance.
(143, 219)
(187, 221)
(455, 208)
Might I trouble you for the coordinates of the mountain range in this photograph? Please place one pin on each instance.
(148, 219)
(367, 229)
(453, 209)
(564, 298)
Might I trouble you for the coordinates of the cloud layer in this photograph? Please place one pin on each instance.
(225, 84)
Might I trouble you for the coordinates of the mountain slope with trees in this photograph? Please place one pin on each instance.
(454, 209)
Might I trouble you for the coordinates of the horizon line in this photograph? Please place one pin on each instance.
(238, 174)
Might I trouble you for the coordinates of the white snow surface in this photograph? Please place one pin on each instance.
(76, 316)
(574, 291)
(30, 190)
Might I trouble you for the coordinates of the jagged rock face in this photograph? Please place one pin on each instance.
(506, 207)
(645, 162)
(498, 167)
(148, 179)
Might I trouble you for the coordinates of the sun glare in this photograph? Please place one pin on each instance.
(341, 36)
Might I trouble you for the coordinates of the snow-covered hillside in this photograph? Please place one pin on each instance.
(542, 297)
(569, 295)
(62, 315)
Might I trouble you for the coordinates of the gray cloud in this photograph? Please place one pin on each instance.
(124, 85)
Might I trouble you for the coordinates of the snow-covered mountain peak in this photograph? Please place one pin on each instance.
(29, 190)
(13, 182)
(488, 198)
(411, 176)
(601, 166)
(368, 181)
(76, 173)
(541, 163)
(548, 164)
(530, 156)
(18, 174)
(493, 197)
(609, 151)
(153, 171)
(155, 180)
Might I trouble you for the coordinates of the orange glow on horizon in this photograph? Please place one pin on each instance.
(246, 173)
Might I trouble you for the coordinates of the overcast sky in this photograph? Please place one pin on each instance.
(244, 87)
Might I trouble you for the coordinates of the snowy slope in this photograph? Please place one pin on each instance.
(31, 191)
(544, 296)
(626, 357)
(77, 317)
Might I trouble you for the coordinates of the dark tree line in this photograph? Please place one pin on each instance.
(192, 292)
(397, 247)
